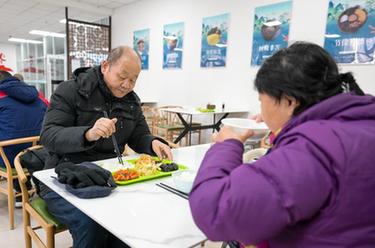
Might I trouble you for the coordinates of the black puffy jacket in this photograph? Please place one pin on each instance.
(76, 105)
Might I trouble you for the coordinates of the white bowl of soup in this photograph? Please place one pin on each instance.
(241, 125)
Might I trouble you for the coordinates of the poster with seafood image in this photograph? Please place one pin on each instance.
(173, 38)
(214, 41)
(271, 30)
(350, 31)
(141, 44)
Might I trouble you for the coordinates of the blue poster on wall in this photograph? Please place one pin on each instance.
(271, 30)
(214, 41)
(173, 38)
(141, 44)
(350, 31)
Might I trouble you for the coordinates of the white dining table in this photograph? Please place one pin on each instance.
(142, 214)
(218, 116)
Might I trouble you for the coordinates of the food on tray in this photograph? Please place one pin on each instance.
(144, 159)
(125, 175)
(166, 167)
(145, 165)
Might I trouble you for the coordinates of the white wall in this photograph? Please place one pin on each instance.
(196, 86)
(10, 56)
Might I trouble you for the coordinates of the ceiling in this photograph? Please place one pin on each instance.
(18, 17)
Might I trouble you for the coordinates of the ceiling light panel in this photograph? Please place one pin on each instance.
(46, 33)
(24, 40)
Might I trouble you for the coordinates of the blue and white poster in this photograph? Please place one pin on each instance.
(350, 31)
(271, 30)
(214, 41)
(173, 38)
(141, 44)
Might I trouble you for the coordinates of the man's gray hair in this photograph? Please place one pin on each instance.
(115, 54)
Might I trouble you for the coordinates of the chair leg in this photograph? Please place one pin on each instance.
(26, 223)
(50, 238)
(224, 245)
(10, 202)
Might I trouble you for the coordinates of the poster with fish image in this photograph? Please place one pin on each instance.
(271, 30)
(350, 31)
(141, 44)
(214, 41)
(173, 37)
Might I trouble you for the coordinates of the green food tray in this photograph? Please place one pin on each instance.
(158, 174)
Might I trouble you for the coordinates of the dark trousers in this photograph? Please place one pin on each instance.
(17, 187)
(86, 232)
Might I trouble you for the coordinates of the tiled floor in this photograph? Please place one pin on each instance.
(15, 238)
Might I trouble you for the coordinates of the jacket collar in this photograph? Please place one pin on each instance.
(89, 79)
(342, 107)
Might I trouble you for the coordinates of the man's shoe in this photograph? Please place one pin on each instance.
(18, 202)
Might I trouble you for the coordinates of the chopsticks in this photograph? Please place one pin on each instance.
(114, 141)
(173, 190)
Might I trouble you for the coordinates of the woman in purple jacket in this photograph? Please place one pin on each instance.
(315, 188)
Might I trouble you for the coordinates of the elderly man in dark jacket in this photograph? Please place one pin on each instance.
(75, 130)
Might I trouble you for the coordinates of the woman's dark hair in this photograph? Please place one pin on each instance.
(306, 72)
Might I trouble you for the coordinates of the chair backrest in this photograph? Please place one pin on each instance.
(165, 117)
(149, 113)
(32, 139)
(22, 178)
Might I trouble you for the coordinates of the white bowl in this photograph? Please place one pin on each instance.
(241, 125)
(183, 180)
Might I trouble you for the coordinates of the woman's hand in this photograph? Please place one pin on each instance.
(257, 118)
(228, 133)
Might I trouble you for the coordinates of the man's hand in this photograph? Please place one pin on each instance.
(162, 150)
(103, 128)
(227, 133)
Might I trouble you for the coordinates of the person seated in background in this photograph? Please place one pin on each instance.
(19, 76)
(21, 115)
(315, 186)
(75, 131)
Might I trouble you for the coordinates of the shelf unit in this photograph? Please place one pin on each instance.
(40, 64)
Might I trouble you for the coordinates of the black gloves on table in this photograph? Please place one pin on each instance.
(83, 175)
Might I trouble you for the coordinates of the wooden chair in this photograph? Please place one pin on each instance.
(165, 124)
(10, 174)
(168, 126)
(37, 209)
(148, 113)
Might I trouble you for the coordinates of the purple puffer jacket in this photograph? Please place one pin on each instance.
(314, 189)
